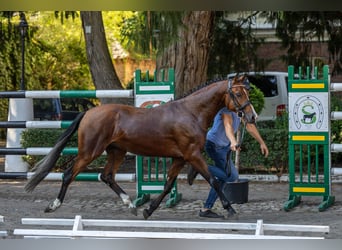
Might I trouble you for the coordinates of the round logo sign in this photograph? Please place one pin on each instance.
(308, 113)
(152, 104)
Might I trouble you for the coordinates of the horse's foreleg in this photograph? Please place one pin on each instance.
(115, 158)
(201, 167)
(171, 178)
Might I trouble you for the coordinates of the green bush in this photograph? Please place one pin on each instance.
(275, 135)
(251, 159)
(257, 98)
(47, 138)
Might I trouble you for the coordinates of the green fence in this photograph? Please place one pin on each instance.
(309, 137)
(152, 171)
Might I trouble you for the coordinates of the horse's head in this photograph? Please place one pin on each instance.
(238, 98)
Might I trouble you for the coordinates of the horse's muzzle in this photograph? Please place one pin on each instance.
(250, 118)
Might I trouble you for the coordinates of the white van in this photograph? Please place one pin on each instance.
(274, 86)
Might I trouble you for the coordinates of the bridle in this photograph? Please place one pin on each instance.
(239, 108)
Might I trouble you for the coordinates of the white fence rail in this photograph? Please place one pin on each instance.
(78, 229)
(2, 233)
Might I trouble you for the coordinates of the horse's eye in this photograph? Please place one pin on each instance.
(238, 94)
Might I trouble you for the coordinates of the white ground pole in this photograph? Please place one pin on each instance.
(2, 233)
(80, 229)
(19, 109)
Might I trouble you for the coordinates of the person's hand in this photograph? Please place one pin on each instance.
(264, 149)
(235, 147)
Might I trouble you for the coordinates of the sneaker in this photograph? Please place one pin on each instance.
(192, 173)
(210, 214)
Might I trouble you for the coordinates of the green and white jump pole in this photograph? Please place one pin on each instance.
(59, 176)
(67, 94)
(20, 116)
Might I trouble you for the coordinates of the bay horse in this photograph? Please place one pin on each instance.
(176, 129)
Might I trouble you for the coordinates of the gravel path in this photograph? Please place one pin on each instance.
(94, 200)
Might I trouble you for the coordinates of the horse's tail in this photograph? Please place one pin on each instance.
(45, 165)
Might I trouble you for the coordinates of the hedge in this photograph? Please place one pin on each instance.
(47, 138)
(274, 133)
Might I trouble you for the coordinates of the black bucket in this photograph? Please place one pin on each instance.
(236, 192)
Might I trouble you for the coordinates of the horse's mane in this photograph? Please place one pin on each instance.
(198, 87)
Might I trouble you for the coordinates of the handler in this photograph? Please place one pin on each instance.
(220, 142)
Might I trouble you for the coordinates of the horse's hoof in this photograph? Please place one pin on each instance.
(133, 210)
(231, 212)
(146, 214)
(53, 206)
(49, 210)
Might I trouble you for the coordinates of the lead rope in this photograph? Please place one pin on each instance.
(242, 135)
(228, 167)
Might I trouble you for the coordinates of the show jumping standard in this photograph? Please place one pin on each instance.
(176, 129)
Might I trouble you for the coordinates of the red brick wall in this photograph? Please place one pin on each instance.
(273, 51)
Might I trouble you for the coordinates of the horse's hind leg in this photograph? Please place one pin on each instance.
(177, 165)
(69, 175)
(115, 159)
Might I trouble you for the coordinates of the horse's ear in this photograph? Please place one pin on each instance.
(246, 82)
(230, 83)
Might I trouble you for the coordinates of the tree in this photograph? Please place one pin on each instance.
(10, 60)
(198, 44)
(234, 46)
(147, 33)
(179, 40)
(189, 54)
(99, 59)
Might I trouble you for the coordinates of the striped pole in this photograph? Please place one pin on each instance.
(67, 94)
(18, 114)
(335, 148)
(336, 115)
(35, 124)
(35, 151)
(336, 86)
(42, 151)
(59, 176)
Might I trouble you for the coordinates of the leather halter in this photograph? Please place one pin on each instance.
(238, 107)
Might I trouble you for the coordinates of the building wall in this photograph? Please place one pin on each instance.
(274, 52)
(125, 68)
